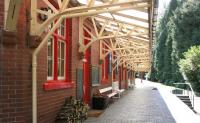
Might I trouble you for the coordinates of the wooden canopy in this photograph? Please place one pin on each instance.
(125, 28)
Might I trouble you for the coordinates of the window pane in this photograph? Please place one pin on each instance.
(50, 57)
(62, 67)
(62, 50)
(61, 59)
(59, 68)
(50, 48)
(59, 49)
(50, 68)
(61, 30)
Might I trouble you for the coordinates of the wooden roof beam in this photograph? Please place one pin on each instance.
(131, 17)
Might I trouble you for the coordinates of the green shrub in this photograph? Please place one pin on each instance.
(190, 65)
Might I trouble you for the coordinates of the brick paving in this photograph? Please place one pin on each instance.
(141, 105)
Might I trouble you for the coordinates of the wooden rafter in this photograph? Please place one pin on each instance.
(130, 41)
(121, 21)
(86, 10)
(131, 17)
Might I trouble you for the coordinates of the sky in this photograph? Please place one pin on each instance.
(161, 9)
(162, 6)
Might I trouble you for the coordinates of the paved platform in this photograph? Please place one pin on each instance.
(141, 105)
(180, 111)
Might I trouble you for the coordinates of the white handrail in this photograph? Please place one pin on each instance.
(192, 95)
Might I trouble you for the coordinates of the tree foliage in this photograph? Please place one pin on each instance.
(178, 30)
(190, 66)
(163, 48)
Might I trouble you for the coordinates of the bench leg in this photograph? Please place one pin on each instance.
(111, 100)
(118, 95)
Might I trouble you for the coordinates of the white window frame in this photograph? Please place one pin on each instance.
(60, 28)
(51, 77)
(62, 77)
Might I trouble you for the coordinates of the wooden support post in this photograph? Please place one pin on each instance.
(64, 5)
(91, 3)
(12, 16)
(34, 23)
(81, 43)
(95, 26)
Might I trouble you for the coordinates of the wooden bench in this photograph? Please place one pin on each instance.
(107, 90)
(102, 100)
(115, 88)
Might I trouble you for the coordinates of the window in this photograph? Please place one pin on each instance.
(95, 75)
(50, 59)
(61, 29)
(61, 60)
(57, 54)
(105, 69)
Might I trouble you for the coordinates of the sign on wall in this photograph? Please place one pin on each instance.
(95, 75)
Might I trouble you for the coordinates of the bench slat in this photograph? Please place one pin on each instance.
(105, 89)
(121, 90)
(112, 94)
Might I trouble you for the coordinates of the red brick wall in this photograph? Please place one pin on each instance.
(76, 61)
(15, 76)
(49, 102)
(122, 82)
(124, 78)
(1, 13)
(95, 53)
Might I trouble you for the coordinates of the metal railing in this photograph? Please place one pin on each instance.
(190, 94)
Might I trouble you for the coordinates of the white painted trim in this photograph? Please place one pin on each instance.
(6, 6)
(51, 77)
(63, 77)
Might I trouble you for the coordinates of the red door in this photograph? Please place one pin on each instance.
(86, 72)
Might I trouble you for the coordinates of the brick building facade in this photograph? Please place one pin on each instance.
(16, 50)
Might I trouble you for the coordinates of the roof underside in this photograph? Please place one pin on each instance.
(124, 27)
(135, 24)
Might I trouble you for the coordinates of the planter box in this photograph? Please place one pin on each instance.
(100, 102)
